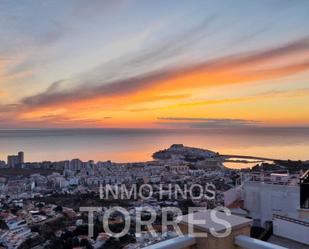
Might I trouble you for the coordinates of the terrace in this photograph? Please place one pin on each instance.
(239, 236)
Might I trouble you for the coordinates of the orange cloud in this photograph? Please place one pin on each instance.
(164, 90)
(225, 70)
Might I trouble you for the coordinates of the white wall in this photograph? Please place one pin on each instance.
(263, 200)
(232, 195)
(291, 231)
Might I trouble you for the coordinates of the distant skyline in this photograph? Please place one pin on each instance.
(154, 64)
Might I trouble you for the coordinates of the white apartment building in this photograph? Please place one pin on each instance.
(263, 200)
(275, 199)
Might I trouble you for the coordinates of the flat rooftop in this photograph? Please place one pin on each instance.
(236, 222)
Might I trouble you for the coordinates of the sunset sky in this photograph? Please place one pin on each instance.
(154, 64)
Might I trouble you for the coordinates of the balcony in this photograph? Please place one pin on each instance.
(238, 237)
(291, 228)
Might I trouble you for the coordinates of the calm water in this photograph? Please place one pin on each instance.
(123, 145)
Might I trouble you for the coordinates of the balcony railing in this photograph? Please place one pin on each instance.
(300, 222)
(175, 243)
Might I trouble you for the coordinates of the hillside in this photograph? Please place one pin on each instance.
(180, 151)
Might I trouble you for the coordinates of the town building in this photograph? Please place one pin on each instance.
(16, 160)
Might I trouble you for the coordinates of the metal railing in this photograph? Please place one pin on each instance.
(175, 243)
(300, 222)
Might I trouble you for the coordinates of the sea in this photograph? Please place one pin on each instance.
(136, 145)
